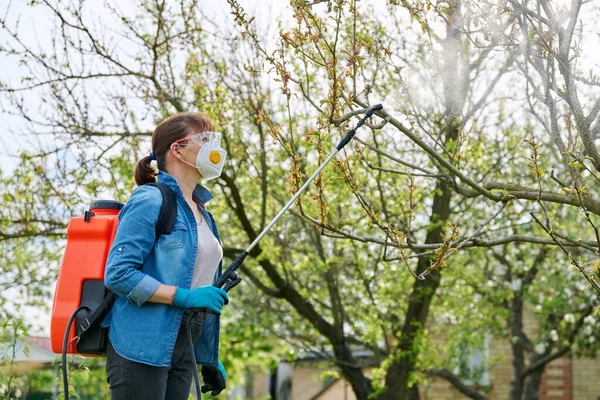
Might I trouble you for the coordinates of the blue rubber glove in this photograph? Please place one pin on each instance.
(214, 379)
(209, 297)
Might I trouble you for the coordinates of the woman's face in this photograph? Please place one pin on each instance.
(187, 149)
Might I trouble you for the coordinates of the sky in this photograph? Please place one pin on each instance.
(35, 29)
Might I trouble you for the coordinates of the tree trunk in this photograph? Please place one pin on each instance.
(353, 373)
(533, 384)
(398, 375)
(419, 301)
(517, 383)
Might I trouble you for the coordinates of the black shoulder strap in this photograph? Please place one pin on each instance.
(100, 311)
(168, 211)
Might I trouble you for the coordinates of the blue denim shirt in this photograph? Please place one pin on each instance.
(137, 264)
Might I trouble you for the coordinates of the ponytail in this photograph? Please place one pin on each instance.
(145, 172)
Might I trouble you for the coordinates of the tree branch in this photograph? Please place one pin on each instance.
(457, 383)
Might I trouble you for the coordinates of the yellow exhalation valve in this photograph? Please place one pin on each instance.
(215, 157)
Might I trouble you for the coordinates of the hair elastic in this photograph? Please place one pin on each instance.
(152, 156)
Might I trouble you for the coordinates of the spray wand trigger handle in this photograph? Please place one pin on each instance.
(234, 280)
(230, 277)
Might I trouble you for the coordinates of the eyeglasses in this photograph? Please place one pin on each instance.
(201, 139)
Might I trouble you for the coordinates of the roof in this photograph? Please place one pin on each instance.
(30, 353)
(41, 341)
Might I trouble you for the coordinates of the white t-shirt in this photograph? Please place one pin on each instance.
(208, 257)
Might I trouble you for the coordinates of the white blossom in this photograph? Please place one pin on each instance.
(554, 335)
(540, 348)
(590, 320)
(516, 285)
(538, 308)
(570, 318)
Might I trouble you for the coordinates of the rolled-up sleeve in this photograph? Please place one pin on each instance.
(133, 242)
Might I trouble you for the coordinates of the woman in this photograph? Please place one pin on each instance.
(158, 279)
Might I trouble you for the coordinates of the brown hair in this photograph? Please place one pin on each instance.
(168, 131)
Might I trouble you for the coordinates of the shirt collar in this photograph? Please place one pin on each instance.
(200, 194)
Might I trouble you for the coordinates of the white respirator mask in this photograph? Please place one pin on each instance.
(211, 157)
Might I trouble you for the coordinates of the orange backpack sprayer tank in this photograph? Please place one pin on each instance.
(81, 276)
(80, 294)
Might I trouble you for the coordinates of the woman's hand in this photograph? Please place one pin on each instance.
(209, 297)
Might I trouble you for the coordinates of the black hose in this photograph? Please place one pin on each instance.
(191, 344)
(66, 338)
(64, 349)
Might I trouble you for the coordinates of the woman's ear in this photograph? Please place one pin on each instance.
(175, 150)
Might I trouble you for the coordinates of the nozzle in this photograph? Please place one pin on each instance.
(346, 139)
(374, 108)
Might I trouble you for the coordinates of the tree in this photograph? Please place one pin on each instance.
(316, 46)
(502, 291)
(428, 181)
(549, 54)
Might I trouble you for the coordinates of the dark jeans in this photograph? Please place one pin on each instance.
(131, 380)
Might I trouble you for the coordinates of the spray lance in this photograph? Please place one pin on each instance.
(230, 278)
